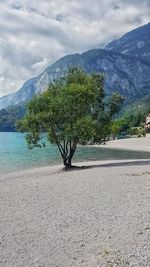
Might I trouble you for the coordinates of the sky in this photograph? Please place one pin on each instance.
(34, 34)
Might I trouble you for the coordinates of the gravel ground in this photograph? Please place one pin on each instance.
(140, 144)
(97, 216)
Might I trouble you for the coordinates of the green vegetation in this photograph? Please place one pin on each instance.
(131, 118)
(135, 113)
(9, 117)
(72, 111)
(137, 131)
(119, 127)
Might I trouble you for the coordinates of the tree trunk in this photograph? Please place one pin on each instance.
(67, 163)
(67, 150)
(67, 158)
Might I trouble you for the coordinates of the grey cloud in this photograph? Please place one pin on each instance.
(17, 6)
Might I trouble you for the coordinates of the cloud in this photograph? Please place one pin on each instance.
(36, 33)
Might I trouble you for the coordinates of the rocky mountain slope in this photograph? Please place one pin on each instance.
(6, 100)
(135, 43)
(123, 62)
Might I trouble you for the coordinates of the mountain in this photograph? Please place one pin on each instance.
(141, 105)
(6, 100)
(124, 62)
(135, 43)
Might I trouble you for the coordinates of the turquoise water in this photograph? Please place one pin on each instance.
(14, 154)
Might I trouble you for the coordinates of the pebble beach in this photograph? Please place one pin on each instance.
(95, 216)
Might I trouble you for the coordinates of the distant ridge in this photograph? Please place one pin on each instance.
(124, 62)
(134, 43)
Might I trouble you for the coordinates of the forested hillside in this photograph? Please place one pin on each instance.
(10, 116)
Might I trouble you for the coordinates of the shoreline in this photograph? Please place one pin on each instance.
(141, 144)
(77, 164)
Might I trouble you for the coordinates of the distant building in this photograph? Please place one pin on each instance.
(147, 122)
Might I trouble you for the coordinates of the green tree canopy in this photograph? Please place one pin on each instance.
(118, 126)
(72, 111)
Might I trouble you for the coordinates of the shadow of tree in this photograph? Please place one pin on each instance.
(112, 164)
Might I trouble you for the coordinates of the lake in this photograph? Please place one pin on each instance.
(14, 154)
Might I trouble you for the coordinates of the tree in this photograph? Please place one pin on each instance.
(69, 112)
(118, 126)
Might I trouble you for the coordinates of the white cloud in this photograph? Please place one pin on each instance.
(36, 33)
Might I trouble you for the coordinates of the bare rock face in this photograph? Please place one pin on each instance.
(5, 100)
(135, 43)
(125, 64)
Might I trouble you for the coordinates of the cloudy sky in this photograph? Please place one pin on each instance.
(33, 34)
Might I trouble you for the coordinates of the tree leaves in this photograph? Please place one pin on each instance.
(72, 111)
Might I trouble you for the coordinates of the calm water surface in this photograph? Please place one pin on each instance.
(14, 154)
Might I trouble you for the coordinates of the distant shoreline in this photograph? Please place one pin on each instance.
(133, 144)
(21, 159)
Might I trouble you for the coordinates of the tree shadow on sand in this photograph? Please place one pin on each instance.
(112, 164)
